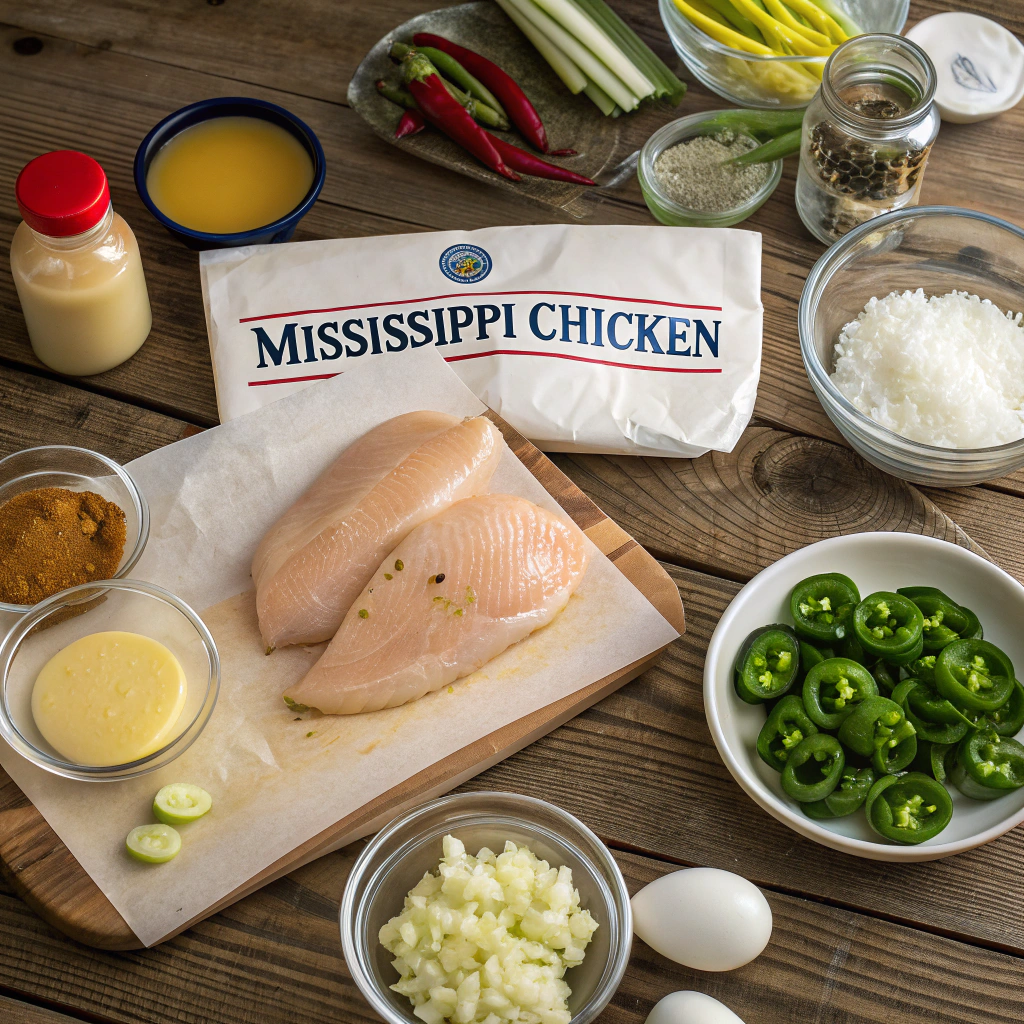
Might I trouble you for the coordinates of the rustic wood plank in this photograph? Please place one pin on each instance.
(14, 1011)
(734, 514)
(275, 957)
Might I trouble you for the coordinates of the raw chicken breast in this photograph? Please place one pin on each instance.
(508, 568)
(313, 562)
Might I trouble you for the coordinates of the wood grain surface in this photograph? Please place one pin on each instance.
(854, 941)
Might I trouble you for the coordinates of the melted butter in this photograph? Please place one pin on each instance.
(230, 174)
(109, 698)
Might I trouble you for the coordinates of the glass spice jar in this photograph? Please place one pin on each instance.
(866, 134)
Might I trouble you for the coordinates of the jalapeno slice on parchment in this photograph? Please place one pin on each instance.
(878, 729)
(909, 808)
(974, 675)
(787, 727)
(822, 607)
(813, 768)
(890, 626)
(833, 689)
(767, 664)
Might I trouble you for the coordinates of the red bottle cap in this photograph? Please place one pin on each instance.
(62, 193)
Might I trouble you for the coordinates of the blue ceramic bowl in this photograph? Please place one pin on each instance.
(230, 106)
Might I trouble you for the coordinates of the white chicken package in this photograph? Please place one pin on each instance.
(623, 340)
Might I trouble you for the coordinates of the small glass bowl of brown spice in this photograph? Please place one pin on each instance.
(68, 516)
(687, 180)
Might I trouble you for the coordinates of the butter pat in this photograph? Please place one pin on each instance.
(109, 698)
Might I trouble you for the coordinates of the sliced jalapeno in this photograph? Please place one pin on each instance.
(932, 759)
(974, 675)
(1009, 719)
(833, 689)
(847, 797)
(951, 730)
(927, 703)
(787, 727)
(822, 607)
(884, 677)
(767, 664)
(850, 647)
(809, 657)
(813, 768)
(890, 626)
(988, 765)
(878, 729)
(909, 808)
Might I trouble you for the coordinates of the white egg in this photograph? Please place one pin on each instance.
(704, 918)
(691, 1008)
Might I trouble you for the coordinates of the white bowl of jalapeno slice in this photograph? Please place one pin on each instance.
(862, 690)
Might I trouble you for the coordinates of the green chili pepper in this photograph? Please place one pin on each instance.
(850, 647)
(822, 607)
(787, 727)
(767, 664)
(890, 626)
(927, 703)
(944, 620)
(847, 797)
(884, 677)
(909, 809)
(833, 689)
(878, 729)
(932, 758)
(813, 768)
(974, 675)
(988, 765)
(1009, 719)
(950, 729)
(810, 656)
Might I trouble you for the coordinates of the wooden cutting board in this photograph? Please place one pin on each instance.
(45, 874)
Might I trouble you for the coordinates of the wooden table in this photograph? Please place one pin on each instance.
(854, 940)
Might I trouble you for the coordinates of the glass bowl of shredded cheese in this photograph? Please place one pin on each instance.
(912, 334)
(486, 907)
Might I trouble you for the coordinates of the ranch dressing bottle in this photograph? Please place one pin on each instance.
(77, 267)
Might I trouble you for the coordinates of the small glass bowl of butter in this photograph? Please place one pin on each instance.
(107, 681)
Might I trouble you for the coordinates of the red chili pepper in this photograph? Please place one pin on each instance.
(411, 123)
(519, 160)
(448, 115)
(519, 109)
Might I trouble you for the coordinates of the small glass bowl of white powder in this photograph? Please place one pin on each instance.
(911, 334)
(686, 180)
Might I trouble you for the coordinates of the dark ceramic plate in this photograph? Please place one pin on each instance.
(606, 146)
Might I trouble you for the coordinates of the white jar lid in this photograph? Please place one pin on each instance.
(978, 63)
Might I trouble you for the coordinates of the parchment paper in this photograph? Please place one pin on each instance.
(274, 786)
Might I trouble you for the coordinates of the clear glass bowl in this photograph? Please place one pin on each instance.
(130, 605)
(939, 249)
(78, 469)
(752, 80)
(666, 209)
(398, 857)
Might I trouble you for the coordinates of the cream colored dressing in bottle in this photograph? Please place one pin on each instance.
(77, 267)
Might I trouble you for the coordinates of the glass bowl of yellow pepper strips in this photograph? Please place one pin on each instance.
(770, 53)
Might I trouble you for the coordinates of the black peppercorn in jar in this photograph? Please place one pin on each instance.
(866, 134)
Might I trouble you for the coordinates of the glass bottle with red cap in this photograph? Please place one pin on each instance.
(77, 267)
